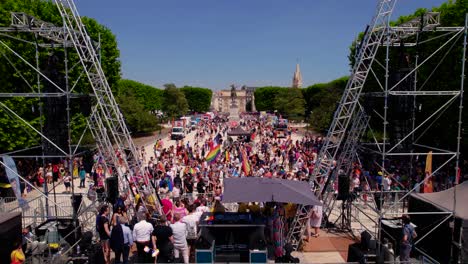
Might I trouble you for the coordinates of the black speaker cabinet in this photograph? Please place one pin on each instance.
(343, 187)
(10, 234)
(112, 187)
(76, 202)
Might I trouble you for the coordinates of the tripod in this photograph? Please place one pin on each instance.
(345, 215)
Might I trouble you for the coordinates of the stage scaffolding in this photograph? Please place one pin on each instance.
(350, 120)
(105, 123)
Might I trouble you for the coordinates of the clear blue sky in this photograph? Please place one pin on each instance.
(215, 43)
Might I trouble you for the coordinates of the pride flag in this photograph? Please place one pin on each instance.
(215, 150)
(190, 170)
(228, 156)
(213, 154)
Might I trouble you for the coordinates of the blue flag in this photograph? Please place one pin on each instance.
(12, 174)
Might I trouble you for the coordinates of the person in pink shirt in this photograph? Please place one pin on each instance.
(167, 208)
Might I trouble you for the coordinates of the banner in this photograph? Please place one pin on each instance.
(12, 174)
(428, 179)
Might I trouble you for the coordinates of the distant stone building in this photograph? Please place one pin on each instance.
(297, 78)
(245, 100)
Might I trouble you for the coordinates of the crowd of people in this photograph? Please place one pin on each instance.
(189, 183)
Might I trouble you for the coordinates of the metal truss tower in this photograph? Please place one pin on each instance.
(342, 146)
(345, 111)
(401, 99)
(106, 122)
(106, 118)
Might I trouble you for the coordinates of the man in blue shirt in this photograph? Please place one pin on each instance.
(408, 234)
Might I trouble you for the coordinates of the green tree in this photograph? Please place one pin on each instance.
(321, 102)
(174, 103)
(12, 75)
(290, 103)
(149, 96)
(439, 73)
(138, 119)
(265, 97)
(14, 133)
(198, 99)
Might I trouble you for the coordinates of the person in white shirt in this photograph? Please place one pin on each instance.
(386, 183)
(202, 208)
(142, 236)
(191, 220)
(179, 231)
(175, 192)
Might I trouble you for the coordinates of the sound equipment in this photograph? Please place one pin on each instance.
(85, 105)
(76, 202)
(365, 240)
(10, 234)
(86, 241)
(64, 228)
(355, 254)
(112, 187)
(402, 107)
(343, 187)
(54, 109)
(392, 231)
(96, 256)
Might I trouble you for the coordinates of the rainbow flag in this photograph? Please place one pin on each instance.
(245, 163)
(213, 154)
(190, 170)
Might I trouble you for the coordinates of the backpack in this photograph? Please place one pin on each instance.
(191, 231)
(117, 239)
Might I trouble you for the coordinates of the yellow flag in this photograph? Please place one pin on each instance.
(428, 180)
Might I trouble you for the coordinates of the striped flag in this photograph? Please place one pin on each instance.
(215, 150)
(190, 170)
(228, 156)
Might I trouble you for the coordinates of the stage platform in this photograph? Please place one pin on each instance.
(327, 248)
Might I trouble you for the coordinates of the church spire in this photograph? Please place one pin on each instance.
(297, 79)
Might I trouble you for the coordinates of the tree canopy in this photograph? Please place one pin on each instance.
(16, 76)
(321, 102)
(174, 102)
(137, 118)
(150, 97)
(198, 99)
(265, 97)
(287, 101)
